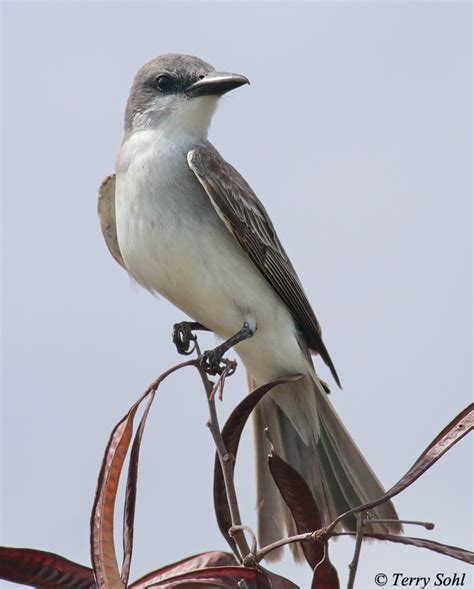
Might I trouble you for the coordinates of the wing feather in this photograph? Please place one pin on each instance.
(246, 218)
(106, 211)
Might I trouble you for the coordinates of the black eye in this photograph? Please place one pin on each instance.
(164, 83)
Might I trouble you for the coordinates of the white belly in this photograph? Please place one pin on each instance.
(173, 243)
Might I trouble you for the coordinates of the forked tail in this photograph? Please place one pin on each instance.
(308, 434)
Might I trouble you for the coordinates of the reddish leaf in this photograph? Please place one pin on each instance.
(198, 561)
(452, 551)
(217, 577)
(104, 559)
(231, 434)
(43, 569)
(201, 561)
(277, 582)
(325, 575)
(131, 495)
(451, 434)
(297, 495)
(131, 487)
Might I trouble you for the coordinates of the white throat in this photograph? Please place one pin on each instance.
(178, 120)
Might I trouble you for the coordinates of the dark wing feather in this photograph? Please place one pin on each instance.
(246, 218)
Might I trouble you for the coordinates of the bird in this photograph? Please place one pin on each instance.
(187, 226)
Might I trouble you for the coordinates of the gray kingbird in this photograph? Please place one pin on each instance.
(186, 225)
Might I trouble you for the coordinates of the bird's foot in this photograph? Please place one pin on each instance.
(184, 338)
(213, 362)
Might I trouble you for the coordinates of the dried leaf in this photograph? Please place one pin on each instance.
(198, 561)
(325, 574)
(297, 495)
(131, 495)
(446, 549)
(104, 559)
(217, 577)
(43, 569)
(231, 434)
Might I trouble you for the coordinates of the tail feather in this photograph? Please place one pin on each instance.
(271, 510)
(326, 456)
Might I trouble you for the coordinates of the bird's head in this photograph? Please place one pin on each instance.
(177, 94)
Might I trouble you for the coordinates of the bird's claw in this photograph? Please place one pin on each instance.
(212, 362)
(182, 337)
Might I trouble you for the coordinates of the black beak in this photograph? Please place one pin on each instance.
(216, 83)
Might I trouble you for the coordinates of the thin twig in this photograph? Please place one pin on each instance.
(426, 525)
(225, 458)
(227, 465)
(326, 533)
(279, 543)
(358, 545)
(250, 532)
(156, 383)
(249, 560)
(355, 511)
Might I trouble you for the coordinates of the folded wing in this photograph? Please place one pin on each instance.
(246, 218)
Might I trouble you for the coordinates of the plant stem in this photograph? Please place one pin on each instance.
(298, 538)
(358, 545)
(227, 465)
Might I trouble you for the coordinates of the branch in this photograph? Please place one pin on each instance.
(358, 545)
(226, 460)
(324, 534)
(262, 553)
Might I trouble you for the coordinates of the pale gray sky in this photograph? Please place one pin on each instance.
(356, 134)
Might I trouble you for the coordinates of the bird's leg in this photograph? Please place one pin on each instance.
(211, 359)
(183, 336)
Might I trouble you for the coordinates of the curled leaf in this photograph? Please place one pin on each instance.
(131, 495)
(44, 570)
(104, 559)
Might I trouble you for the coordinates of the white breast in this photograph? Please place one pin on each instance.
(174, 244)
